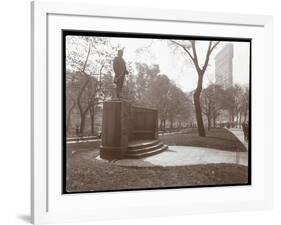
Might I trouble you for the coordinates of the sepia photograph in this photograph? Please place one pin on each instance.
(155, 111)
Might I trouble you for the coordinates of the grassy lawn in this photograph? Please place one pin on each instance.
(217, 138)
(85, 173)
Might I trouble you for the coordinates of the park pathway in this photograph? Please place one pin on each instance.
(240, 135)
(187, 155)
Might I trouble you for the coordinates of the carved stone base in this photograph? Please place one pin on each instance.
(129, 131)
(115, 129)
(144, 148)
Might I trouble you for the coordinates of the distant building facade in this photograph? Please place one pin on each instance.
(224, 67)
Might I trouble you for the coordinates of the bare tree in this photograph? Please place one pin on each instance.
(233, 103)
(90, 58)
(212, 100)
(244, 105)
(177, 105)
(189, 47)
(71, 89)
(170, 101)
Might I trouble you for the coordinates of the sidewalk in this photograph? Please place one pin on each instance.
(240, 135)
(186, 155)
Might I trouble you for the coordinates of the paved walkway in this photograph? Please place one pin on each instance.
(240, 135)
(187, 155)
(83, 141)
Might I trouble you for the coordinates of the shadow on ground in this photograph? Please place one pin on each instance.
(25, 218)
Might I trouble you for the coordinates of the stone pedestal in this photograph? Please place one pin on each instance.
(115, 129)
(129, 131)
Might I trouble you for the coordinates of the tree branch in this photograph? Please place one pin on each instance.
(194, 50)
(215, 45)
(184, 48)
(87, 57)
(209, 51)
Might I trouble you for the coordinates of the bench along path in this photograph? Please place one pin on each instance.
(187, 155)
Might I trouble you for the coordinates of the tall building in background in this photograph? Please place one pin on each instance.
(223, 66)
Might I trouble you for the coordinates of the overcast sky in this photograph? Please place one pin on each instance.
(176, 65)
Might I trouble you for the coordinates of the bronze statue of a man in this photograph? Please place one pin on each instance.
(120, 70)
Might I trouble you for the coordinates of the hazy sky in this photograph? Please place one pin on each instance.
(177, 66)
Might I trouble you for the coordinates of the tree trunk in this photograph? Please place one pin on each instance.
(240, 119)
(171, 123)
(92, 116)
(245, 116)
(198, 111)
(82, 124)
(68, 122)
(231, 118)
(209, 122)
(237, 119)
(214, 121)
(68, 118)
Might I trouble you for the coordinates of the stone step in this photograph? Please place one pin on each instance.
(146, 154)
(142, 144)
(143, 149)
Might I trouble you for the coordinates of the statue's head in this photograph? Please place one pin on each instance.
(120, 52)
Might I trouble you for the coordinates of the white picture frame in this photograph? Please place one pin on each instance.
(48, 205)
